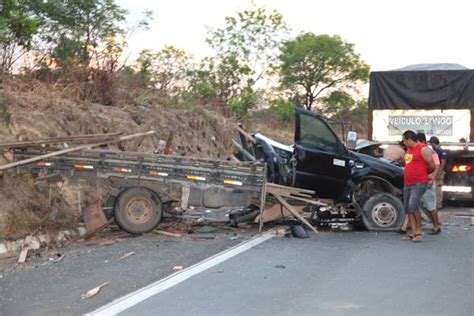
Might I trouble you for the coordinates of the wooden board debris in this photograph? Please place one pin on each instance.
(24, 249)
(295, 213)
(59, 140)
(162, 232)
(64, 151)
(93, 291)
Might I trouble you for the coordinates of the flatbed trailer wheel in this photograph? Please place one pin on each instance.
(138, 210)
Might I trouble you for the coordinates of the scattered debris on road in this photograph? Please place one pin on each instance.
(205, 230)
(59, 258)
(109, 242)
(24, 249)
(162, 232)
(94, 291)
(127, 255)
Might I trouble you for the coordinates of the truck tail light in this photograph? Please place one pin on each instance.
(461, 168)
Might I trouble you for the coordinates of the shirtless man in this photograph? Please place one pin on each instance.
(395, 153)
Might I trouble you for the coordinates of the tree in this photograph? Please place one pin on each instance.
(247, 48)
(314, 64)
(338, 103)
(77, 31)
(17, 29)
(252, 38)
(219, 80)
(165, 70)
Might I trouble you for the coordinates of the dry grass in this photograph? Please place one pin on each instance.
(26, 206)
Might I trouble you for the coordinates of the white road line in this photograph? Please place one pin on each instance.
(132, 299)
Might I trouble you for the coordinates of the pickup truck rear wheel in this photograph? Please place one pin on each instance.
(138, 210)
(383, 212)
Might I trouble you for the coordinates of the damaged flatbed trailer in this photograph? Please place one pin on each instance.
(136, 187)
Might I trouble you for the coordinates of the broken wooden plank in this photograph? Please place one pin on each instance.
(165, 233)
(93, 291)
(295, 213)
(293, 193)
(309, 201)
(288, 193)
(263, 199)
(64, 151)
(245, 134)
(245, 152)
(24, 249)
(56, 140)
(277, 212)
(273, 186)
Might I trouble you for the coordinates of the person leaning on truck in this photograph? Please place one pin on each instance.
(395, 153)
(418, 164)
(434, 142)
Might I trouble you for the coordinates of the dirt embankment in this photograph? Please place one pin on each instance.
(34, 110)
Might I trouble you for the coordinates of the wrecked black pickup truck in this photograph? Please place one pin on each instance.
(360, 188)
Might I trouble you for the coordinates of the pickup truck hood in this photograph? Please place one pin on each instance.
(365, 165)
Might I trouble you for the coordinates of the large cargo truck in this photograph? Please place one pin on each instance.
(437, 100)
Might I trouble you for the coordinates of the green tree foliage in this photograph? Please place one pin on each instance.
(315, 63)
(218, 80)
(77, 32)
(246, 48)
(165, 70)
(284, 109)
(17, 29)
(241, 104)
(252, 37)
(337, 103)
(342, 107)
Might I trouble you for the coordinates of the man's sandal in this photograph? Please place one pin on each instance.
(435, 231)
(417, 237)
(407, 237)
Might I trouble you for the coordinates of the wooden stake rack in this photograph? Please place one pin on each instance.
(282, 193)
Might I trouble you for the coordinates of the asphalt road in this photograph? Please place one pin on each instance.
(42, 287)
(332, 273)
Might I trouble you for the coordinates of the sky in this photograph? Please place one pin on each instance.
(387, 34)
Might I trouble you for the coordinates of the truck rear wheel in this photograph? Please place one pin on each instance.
(383, 212)
(138, 210)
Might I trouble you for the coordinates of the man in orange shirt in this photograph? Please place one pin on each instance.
(418, 164)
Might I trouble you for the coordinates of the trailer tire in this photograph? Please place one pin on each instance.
(383, 212)
(138, 210)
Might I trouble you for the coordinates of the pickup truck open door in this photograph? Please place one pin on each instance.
(322, 160)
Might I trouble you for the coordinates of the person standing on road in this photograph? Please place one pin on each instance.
(434, 142)
(418, 164)
(428, 202)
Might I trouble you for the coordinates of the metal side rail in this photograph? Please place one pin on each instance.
(148, 166)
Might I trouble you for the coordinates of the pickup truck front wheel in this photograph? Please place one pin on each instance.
(138, 210)
(383, 212)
